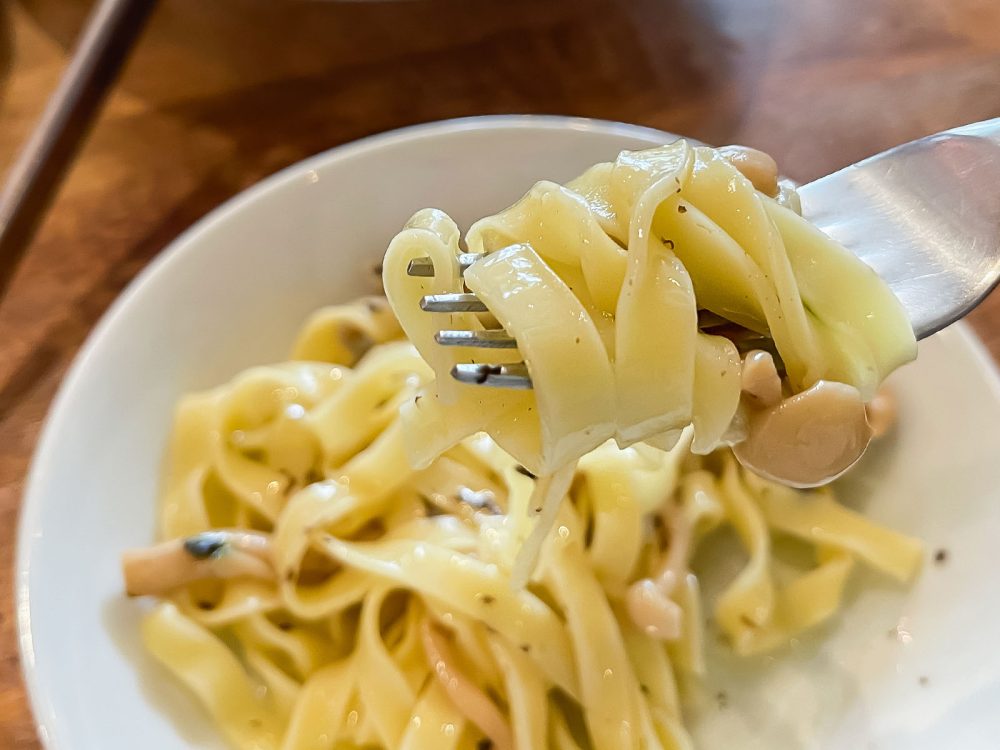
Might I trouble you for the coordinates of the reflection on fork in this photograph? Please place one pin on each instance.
(501, 376)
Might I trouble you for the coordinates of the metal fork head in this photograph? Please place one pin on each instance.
(514, 375)
(925, 216)
(501, 376)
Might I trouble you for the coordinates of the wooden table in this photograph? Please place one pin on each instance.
(220, 94)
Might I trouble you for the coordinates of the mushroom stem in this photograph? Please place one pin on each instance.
(472, 702)
(217, 554)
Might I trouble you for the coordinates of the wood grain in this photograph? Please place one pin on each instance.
(221, 94)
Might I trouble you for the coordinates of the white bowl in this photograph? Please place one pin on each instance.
(232, 291)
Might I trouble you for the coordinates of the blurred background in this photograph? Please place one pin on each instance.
(220, 93)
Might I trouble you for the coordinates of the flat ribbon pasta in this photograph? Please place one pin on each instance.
(368, 554)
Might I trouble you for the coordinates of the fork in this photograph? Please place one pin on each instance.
(925, 216)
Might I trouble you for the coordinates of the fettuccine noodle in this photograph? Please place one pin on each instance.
(343, 561)
(602, 283)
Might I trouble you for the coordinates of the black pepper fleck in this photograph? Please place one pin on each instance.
(682, 209)
(523, 470)
(722, 699)
(484, 371)
(525, 647)
(205, 605)
(941, 556)
(205, 545)
(484, 744)
(669, 244)
(488, 599)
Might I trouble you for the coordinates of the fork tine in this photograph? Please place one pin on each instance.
(499, 376)
(424, 266)
(484, 339)
(449, 303)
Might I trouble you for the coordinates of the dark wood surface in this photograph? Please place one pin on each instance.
(220, 94)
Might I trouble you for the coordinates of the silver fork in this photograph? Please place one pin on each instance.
(502, 376)
(925, 216)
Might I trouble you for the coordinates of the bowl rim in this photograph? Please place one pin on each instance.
(39, 697)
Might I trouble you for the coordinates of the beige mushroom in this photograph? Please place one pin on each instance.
(652, 610)
(218, 554)
(648, 600)
(755, 165)
(808, 439)
(881, 412)
(463, 691)
(759, 379)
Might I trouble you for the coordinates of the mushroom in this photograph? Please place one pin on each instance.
(759, 379)
(808, 439)
(216, 554)
(648, 600)
(755, 165)
(463, 691)
(881, 412)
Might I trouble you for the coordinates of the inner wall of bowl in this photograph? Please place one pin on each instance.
(230, 293)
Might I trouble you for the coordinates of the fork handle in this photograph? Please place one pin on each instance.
(104, 45)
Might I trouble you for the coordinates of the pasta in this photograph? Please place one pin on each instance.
(602, 282)
(359, 552)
